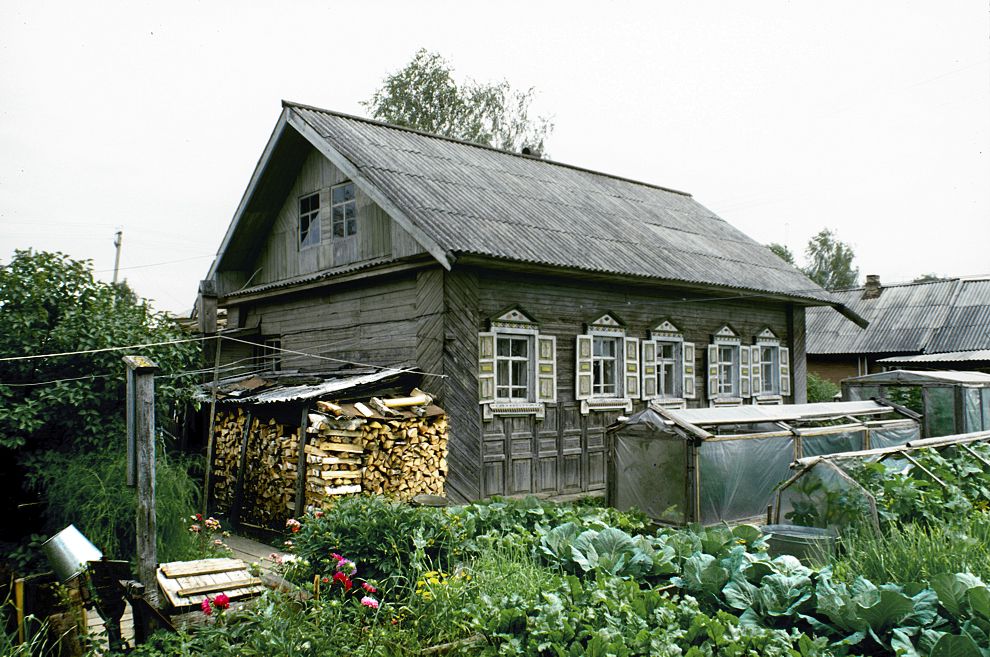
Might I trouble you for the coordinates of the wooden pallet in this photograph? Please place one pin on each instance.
(188, 583)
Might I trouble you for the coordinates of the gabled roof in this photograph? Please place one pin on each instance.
(459, 199)
(949, 315)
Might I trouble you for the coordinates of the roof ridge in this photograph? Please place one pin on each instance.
(364, 119)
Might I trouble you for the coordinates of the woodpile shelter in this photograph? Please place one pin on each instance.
(547, 300)
(712, 465)
(280, 448)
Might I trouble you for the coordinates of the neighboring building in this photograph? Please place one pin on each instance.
(937, 325)
(542, 300)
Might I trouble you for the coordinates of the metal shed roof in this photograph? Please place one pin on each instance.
(947, 357)
(919, 377)
(269, 390)
(950, 315)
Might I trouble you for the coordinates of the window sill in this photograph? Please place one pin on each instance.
(493, 409)
(672, 403)
(768, 400)
(718, 402)
(606, 404)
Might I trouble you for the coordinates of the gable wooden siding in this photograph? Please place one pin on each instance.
(281, 258)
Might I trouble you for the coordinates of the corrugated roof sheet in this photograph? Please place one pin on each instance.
(261, 390)
(946, 357)
(920, 376)
(915, 318)
(475, 200)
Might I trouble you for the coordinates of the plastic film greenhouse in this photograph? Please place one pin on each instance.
(951, 402)
(825, 490)
(710, 465)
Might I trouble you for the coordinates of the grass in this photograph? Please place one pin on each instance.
(916, 552)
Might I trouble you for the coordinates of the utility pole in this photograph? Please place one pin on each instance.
(118, 238)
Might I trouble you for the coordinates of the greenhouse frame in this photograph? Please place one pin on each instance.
(823, 494)
(952, 402)
(712, 465)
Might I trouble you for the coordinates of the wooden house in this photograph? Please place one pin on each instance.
(933, 325)
(541, 300)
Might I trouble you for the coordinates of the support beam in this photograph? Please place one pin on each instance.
(142, 371)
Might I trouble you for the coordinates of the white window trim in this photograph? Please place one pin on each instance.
(514, 323)
(778, 369)
(726, 337)
(667, 332)
(606, 326)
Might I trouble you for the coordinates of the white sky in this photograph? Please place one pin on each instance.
(872, 118)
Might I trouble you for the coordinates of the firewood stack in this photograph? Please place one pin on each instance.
(228, 429)
(389, 446)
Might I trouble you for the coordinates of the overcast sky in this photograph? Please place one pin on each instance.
(870, 118)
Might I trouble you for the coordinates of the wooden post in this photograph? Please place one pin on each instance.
(301, 464)
(208, 484)
(235, 505)
(143, 404)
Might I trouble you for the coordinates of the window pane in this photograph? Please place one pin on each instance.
(666, 350)
(342, 193)
(502, 373)
(520, 347)
(503, 346)
(520, 369)
(667, 386)
(352, 226)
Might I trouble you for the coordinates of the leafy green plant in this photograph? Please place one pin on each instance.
(821, 389)
(89, 491)
(608, 551)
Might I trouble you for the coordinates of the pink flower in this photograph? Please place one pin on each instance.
(368, 601)
(318, 513)
(369, 588)
(293, 525)
(346, 566)
(205, 606)
(221, 601)
(335, 556)
(194, 529)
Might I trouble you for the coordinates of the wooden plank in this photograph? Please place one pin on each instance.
(341, 474)
(219, 586)
(336, 447)
(200, 567)
(301, 462)
(235, 505)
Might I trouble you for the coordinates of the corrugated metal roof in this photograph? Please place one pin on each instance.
(260, 390)
(946, 357)
(771, 413)
(476, 200)
(920, 376)
(915, 318)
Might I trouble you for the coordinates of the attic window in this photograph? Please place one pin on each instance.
(343, 210)
(309, 220)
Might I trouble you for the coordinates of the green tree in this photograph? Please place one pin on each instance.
(50, 303)
(928, 278)
(781, 252)
(425, 96)
(830, 262)
(820, 389)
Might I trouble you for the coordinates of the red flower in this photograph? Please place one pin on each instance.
(344, 580)
(205, 606)
(369, 588)
(221, 601)
(326, 580)
(199, 516)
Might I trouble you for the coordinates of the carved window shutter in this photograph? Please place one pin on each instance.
(582, 368)
(632, 368)
(785, 371)
(756, 371)
(746, 368)
(712, 371)
(546, 368)
(687, 367)
(486, 367)
(649, 386)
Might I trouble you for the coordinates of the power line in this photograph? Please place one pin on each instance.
(8, 359)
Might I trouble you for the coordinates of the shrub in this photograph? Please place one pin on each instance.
(820, 389)
(89, 491)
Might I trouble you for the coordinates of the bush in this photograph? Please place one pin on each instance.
(90, 491)
(820, 389)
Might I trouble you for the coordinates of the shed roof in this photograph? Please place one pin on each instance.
(920, 377)
(458, 198)
(944, 357)
(775, 413)
(951, 315)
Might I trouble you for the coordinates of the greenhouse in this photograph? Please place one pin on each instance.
(710, 465)
(824, 491)
(951, 402)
